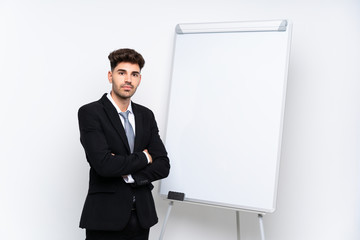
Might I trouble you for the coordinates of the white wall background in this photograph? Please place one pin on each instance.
(53, 59)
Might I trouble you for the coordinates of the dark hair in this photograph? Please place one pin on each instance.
(125, 55)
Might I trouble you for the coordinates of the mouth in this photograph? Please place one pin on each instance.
(127, 87)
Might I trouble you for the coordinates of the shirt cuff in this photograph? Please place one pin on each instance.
(147, 157)
(128, 179)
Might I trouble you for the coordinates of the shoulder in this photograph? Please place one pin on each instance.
(94, 106)
(140, 108)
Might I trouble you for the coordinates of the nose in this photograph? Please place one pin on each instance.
(127, 78)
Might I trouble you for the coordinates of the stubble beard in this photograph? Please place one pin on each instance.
(126, 95)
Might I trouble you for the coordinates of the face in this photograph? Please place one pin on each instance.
(125, 78)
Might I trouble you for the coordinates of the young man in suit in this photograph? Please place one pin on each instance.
(125, 153)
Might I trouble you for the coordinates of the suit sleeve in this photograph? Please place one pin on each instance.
(160, 166)
(98, 152)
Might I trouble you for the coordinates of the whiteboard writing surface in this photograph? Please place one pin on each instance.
(225, 115)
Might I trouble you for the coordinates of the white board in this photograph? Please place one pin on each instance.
(225, 115)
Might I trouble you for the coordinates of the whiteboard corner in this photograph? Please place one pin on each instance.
(272, 210)
(178, 29)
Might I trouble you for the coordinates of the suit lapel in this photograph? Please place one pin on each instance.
(138, 127)
(115, 119)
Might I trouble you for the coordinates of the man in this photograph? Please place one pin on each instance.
(125, 153)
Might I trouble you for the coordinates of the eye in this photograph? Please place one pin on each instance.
(136, 75)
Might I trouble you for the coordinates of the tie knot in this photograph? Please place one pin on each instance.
(125, 115)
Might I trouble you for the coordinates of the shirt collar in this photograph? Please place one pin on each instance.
(117, 108)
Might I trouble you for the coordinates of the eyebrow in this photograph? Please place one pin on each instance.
(124, 70)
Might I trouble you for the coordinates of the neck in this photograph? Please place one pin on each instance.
(122, 103)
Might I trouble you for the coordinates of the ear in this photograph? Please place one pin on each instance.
(110, 76)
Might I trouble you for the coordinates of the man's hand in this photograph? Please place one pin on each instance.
(148, 154)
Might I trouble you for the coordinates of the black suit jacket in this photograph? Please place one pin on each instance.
(109, 200)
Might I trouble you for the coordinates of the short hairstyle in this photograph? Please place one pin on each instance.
(125, 55)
